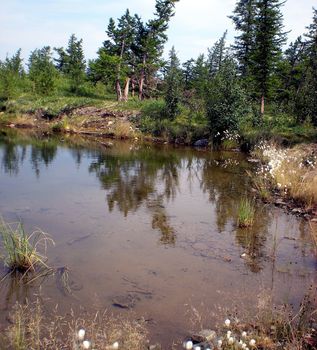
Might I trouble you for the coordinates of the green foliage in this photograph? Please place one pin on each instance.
(185, 128)
(200, 76)
(246, 212)
(21, 251)
(217, 54)
(311, 77)
(225, 101)
(173, 79)
(42, 72)
(244, 20)
(258, 46)
(11, 76)
(72, 63)
(103, 68)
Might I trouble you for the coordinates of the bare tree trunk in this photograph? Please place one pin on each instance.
(262, 105)
(126, 89)
(141, 81)
(132, 87)
(118, 90)
(118, 87)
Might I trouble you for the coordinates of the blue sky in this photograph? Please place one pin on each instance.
(31, 24)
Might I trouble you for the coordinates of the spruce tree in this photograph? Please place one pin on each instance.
(72, 63)
(11, 74)
(217, 54)
(188, 68)
(312, 69)
(200, 76)
(269, 39)
(42, 71)
(121, 39)
(173, 81)
(244, 20)
(150, 41)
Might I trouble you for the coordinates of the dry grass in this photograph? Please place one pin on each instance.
(31, 329)
(291, 171)
(270, 327)
(123, 130)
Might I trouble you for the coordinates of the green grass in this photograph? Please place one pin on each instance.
(281, 128)
(246, 212)
(22, 251)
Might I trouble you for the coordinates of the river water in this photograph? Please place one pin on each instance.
(151, 228)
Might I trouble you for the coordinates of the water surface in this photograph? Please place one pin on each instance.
(153, 227)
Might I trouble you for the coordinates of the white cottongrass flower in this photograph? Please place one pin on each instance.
(230, 340)
(227, 322)
(81, 334)
(252, 342)
(86, 344)
(219, 343)
(244, 334)
(228, 334)
(244, 346)
(189, 345)
(115, 345)
(197, 347)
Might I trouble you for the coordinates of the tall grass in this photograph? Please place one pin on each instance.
(31, 328)
(21, 251)
(246, 211)
(290, 171)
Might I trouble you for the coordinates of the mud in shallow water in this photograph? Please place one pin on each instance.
(149, 229)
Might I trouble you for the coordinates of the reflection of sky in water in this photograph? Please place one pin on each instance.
(160, 217)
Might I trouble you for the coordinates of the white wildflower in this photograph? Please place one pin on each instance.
(230, 340)
(86, 344)
(81, 334)
(252, 342)
(189, 345)
(115, 345)
(227, 322)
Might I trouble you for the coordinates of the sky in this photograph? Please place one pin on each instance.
(197, 24)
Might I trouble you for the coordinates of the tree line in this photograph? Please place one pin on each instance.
(226, 83)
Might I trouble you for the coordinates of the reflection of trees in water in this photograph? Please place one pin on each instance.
(150, 177)
(12, 156)
(253, 239)
(42, 152)
(140, 178)
(223, 180)
(160, 220)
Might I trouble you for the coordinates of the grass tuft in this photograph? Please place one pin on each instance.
(31, 328)
(22, 251)
(246, 211)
